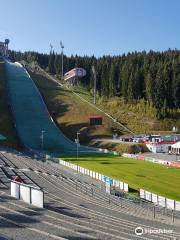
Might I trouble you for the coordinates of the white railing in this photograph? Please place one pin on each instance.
(95, 175)
(160, 200)
(29, 194)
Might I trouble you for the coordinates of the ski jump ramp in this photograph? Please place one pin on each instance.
(31, 115)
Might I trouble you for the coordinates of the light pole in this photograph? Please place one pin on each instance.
(42, 139)
(77, 141)
(94, 76)
(51, 47)
(175, 140)
(62, 74)
(77, 150)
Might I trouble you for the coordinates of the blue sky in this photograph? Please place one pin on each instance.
(89, 27)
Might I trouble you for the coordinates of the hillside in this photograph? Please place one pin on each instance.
(149, 77)
(69, 112)
(72, 115)
(6, 124)
(138, 117)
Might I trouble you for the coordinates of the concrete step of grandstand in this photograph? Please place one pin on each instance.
(34, 215)
(84, 214)
(81, 208)
(125, 203)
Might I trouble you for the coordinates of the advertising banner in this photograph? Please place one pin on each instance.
(121, 185)
(170, 203)
(108, 188)
(142, 193)
(162, 201)
(177, 206)
(148, 196)
(126, 189)
(154, 198)
(117, 183)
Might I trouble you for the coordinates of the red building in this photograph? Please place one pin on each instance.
(95, 120)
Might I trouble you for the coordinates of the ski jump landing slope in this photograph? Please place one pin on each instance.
(31, 116)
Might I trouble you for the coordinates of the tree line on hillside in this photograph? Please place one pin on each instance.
(152, 76)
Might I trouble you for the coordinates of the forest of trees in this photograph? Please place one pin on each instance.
(152, 76)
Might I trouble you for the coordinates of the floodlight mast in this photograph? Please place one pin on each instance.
(6, 43)
(94, 76)
(62, 70)
(51, 47)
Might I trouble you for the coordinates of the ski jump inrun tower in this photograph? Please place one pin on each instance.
(4, 47)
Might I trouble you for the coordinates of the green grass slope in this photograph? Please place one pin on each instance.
(70, 112)
(138, 116)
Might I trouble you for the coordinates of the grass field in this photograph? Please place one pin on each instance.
(6, 125)
(138, 174)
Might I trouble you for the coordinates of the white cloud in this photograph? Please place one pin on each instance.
(5, 34)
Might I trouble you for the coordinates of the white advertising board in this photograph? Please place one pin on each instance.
(121, 185)
(25, 193)
(126, 189)
(94, 175)
(100, 177)
(162, 201)
(15, 190)
(117, 183)
(37, 198)
(113, 182)
(148, 196)
(97, 175)
(91, 174)
(169, 203)
(154, 198)
(142, 193)
(177, 206)
(108, 188)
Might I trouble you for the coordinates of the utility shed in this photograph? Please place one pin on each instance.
(175, 148)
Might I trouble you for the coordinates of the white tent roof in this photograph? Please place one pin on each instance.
(176, 145)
